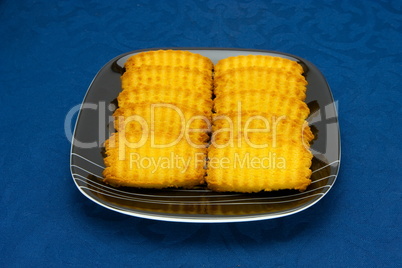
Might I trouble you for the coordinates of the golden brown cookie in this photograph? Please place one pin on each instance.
(176, 77)
(176, 58)
(179, 97)
(258, 61)
(244, 168)
(134, 162)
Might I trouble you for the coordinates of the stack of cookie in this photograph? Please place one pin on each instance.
(260, 138)
(162, 122)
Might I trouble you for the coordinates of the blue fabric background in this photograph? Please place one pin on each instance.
(51, 50)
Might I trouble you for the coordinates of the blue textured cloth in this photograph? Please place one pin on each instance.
(51, 50)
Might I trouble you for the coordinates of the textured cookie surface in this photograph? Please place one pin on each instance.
(180, 97)
(261, 102)
(170, 76)
(258, 61)
(133, 162)
(155, 119)
(177, 58)
(260, 79)
(227, 128)
(248, 169)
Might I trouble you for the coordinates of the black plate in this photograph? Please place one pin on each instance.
(200, 205)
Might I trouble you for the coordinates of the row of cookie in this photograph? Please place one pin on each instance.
(166, 94)
(259, 126)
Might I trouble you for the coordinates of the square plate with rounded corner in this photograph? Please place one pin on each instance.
(200, 205)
